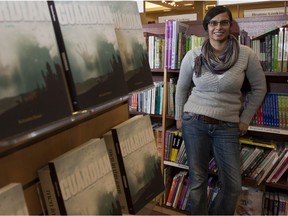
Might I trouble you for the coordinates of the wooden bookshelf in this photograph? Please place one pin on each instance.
(276, 82)
(22, 156)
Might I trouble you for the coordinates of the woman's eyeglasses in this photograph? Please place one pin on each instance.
(214, 23)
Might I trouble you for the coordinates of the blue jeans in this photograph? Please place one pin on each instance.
(200, 140)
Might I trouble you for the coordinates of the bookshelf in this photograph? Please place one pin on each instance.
(22, 156)
(276, 82)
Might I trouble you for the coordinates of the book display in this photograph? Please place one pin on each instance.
(32, 76)
(272, 112)
(82, 182)
(63, 62)
(135, 162)
(133, 49)
(12, 200)
(87, 38)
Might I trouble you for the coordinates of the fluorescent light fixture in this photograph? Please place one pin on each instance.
(231, 2)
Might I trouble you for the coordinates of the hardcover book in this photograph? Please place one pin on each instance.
(83, 182)
(12, 200)
(50, 204)
(133, 48)
(90, 51)
(135, 162)
(32, 77)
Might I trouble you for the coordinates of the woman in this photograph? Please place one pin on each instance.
(210, 117)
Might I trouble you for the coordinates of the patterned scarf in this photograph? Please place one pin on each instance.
(220, 64)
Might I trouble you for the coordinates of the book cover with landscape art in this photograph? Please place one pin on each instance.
(135, 162)
(31, 79)
(83, 181)
(133, 48)
(87, 32)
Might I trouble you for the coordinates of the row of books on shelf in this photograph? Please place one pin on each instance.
(148, 101)
(271, 48)
(273, 111)
(171, 48)
(119, 173)
(49, 65)
(174, 148)
(262, 164)
(274, 203)
(261, 160)
(252, 201)
(176, 193)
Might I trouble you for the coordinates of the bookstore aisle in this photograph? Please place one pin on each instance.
(264, 162)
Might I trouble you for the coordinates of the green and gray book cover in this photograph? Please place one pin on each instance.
(32, 78)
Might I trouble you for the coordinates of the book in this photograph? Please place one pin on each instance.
(173, 189)
(135, 162)
(12, 200)
(276, 203)
(177, 143)
(267, 169)
(250, 159)
(132, 44)
(183, 193)
(283, 199)
(262, 165)
(176, 28)
(32, 76)
(280, 171)
(87, 40)
(179, 188)
(249, 202)
(51, 206)
(276, 171)
(256, 163)
(81, 181)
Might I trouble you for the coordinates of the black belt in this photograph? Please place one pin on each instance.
(206, 119)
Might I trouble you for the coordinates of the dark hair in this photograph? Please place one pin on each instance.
(214, 12)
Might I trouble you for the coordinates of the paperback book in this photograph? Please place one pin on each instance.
(249, 202)
(135, 163)
(12, 200)
(132, 44)
(82, 182)
(32, 76)
(90, 51)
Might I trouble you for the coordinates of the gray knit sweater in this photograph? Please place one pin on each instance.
(219, 96)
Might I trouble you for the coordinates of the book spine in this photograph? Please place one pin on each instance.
(57, 189)
(280, 173)
(47, 190)
(285, 50)
(122, 171)
(281, 169)
(173, 190)
(63, 55)
(253, 163)
(116, 173)
(262, 165)
(280, 49)
(278, 163)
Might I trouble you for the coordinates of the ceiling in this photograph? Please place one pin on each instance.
(163, 5)
(176, 5)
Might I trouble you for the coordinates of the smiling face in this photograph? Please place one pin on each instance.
(219, 28)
